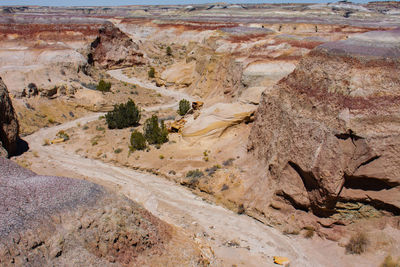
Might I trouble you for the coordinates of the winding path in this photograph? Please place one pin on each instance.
(177, 95)
(235, 239)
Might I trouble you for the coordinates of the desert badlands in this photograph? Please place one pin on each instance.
(200, 135)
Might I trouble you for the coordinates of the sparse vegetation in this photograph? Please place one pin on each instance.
(99, 128)
(309, 233)
(161, 156)
(118, 150)
(151, 72)
(194, 174)
(184, 106)
(390, 262)
(46, 142)
(85, 127)
(103, 86)
(138, 142)
(154, 132)
(212, 170)
(228, 162)
(357, 244)
(95, 140)
(205, 155)
(63, 135)
(123, 115)
(169, 51)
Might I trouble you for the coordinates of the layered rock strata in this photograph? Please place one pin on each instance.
(329, 133)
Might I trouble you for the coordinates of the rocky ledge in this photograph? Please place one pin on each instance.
(328, 134)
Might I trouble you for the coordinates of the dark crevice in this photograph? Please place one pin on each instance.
(380, 205)
(368, 161)
(292, 202)
(349, 134)
(308, 178)
(324, 209)
(36, 245)
(368, 183)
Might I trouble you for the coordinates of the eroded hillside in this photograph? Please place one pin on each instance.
(293, 114)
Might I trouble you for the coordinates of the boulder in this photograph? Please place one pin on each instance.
(330, 130)
(114, 49)
(9, 127)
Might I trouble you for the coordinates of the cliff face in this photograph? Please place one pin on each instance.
(114, 49)
(329, 133)
(8, 123)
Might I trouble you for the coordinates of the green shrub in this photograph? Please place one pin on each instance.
(184, 106)
(151, 72)
(118, 150)
(123, 115)
(138, 142)
(104, 86)
(169, 51)
(154, 132)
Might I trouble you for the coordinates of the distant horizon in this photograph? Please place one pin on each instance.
(78, 3)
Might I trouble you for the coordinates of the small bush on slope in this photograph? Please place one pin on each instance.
(138, 142)
(154, 132)
(123, 115)
(184, 106)
(104, 86)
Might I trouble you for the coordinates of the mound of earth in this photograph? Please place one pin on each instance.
(57, 221)
(114, 49)
(8, 123)
(328, 134)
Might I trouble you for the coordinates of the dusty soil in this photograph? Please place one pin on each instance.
(234, 238)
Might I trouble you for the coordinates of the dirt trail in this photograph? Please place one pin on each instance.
(235, 239)
(177, 95)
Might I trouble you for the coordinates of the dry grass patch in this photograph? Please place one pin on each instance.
(357, 244)
(390, 262)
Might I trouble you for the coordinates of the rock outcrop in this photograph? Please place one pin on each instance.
(329, 133)
(57, 221)
(8, 123)
(114, 49)
(215, 120)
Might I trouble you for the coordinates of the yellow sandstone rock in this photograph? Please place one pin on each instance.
(281, 260)
(58, 140)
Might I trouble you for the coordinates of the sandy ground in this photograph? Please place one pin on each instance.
(235, 239)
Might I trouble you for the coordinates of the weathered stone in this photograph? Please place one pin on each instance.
(9, 127)
(114, 49)
(334, 123)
